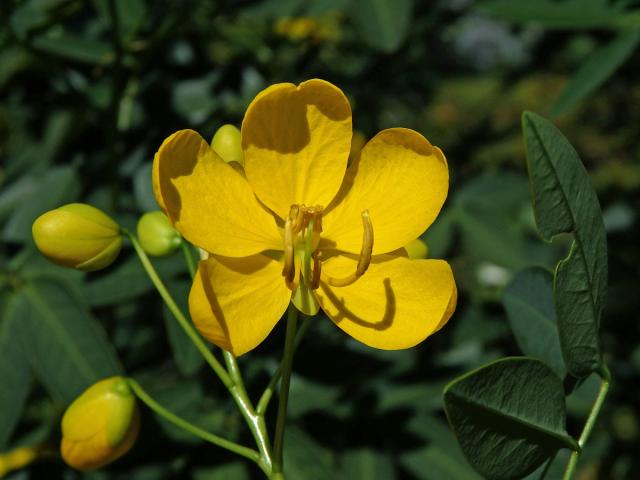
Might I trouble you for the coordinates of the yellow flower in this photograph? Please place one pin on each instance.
(297, 225)
(101, 425)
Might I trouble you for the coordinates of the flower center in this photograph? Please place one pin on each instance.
(302, 263)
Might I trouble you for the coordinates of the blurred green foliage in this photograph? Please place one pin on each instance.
(88, 91)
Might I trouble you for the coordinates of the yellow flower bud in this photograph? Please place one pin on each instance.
(78, 236)
(156, 234)
(18, 458)
(100, 425)
(417, 249)
(226, 143)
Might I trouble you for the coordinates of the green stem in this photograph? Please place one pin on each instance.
(287, 363)
(263, 403)
(179, 316)
(232, 377)
(189, 427)
(186, 251)
(588, 426)
(255, 422)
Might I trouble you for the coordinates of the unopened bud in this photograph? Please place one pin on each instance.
(156, 234)
(101, 425)
(417, 249)
(226, 143)
(78, 236)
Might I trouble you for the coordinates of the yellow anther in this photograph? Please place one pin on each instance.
(302, 231)
(363, 261)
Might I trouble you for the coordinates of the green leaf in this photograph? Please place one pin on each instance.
(510, 409)
(15, 375)
(73, 47)
(600, 65)
(230, 471)
(129, 281)
(58, 187)
(305, 458)
(15, 194)
(367, 464)
(187, 357)
(68, 349)
(567, 14)
(143, 189)
(383, 24)
(528, 300)
(307, 396)
(441, 458)
(564, 201)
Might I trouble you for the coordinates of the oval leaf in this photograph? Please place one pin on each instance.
(564, 202)
(68, 349)
(528, 300)
(509, 409)
(15, 375)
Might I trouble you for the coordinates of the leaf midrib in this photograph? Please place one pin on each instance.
(563, 437)
(576, 234)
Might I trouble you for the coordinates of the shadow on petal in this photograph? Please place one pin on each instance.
(344, 313)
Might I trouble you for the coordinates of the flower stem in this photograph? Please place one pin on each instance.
(231, 378)
(287, 363)
(591, 420)
(188, 256)
(189, 427)
(179, 316)
(255, 422)
(263, 403)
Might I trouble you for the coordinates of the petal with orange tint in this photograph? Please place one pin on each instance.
(296, 142)
(401, 179)
(396, 304)
(236, 302)
(209, 201)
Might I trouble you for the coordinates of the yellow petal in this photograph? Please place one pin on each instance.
(401, 179)
(236, 302)
(209, 201)
(396, 304)
(296, 143)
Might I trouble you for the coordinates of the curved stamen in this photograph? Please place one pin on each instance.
(363, 261)
(289, 269)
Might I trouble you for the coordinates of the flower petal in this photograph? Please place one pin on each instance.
(209, 201)
(401, 179)
(236, 302)
(396, 304)
(296, 143)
